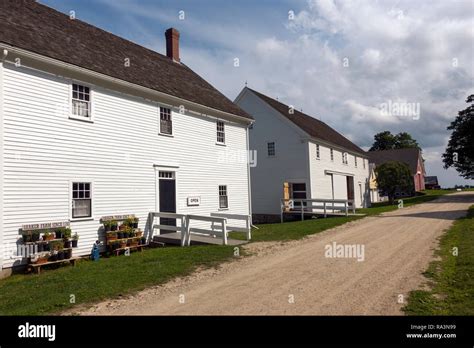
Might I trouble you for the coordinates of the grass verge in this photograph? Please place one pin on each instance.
(451, 277)
(93, 281)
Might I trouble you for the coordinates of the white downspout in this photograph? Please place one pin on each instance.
(249, 186)
(2, 246)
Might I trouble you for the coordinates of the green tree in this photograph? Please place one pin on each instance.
(387, 141)
(393, 176)
(383, 141)
(460, 150)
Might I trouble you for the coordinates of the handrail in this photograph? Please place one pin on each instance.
(247, 218)
(166, 215)
(189, 229)
(288, 204)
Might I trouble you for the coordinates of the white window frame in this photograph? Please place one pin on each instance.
(71, 199)
(89, 119)
(268, 149)
(226, 195)
(318, 152)
(220, 132)
(331, 151)
(160, 108)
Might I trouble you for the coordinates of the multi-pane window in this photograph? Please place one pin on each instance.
(332, 154)
(166, 175)
(271, 149)
(220, 132)
(223, 199)
(344, 157)
(166, 124)
(81, 101)
(81, 200)
(355, 161)
(318, 154)
(298, 191)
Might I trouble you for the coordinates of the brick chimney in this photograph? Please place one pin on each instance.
(172, 44)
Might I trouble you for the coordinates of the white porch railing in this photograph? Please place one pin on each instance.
(193, 230)
(321, 206)
(247, 229)
(178, 228)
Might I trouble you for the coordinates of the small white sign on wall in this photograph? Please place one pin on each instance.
(193, 201)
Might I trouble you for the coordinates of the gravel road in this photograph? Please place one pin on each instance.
(296, 278)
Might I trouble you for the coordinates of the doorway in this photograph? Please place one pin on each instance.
(167, 198)
(350, 187)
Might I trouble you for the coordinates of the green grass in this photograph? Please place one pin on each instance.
(93, 281)
(382, 207)
(452, 277)
(300, 229)
(293, 230)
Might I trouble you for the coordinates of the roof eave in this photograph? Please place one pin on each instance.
(74, 68)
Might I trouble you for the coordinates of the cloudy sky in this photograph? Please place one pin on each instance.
(339, 61)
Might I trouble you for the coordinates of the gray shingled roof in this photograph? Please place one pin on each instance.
(37, 28)
(408, 156)
(314, 127)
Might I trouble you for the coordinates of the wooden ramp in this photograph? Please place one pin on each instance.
(175, 239)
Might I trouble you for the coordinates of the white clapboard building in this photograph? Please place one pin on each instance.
(93, 125)
(299, 157)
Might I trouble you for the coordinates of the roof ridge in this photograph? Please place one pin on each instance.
(348, 143)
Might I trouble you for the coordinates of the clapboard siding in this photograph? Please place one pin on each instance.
(44, 150)
(295, 160)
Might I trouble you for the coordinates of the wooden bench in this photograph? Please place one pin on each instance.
(37, 266)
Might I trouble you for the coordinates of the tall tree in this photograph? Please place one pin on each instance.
(460, 150)
(387, 141)
(403, 140)
(383, 141)
(393, 177)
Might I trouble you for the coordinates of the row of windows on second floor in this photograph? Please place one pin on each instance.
(344, 156)
(81, 104)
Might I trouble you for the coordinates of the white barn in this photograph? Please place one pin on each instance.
(302, 153)
(94, 125)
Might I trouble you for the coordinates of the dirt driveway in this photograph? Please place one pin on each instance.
(296, 277)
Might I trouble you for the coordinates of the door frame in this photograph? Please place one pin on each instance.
(165, 168)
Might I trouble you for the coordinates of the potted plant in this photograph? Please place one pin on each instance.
(122, 227)
(46, 247)
(120, 234)
(128, 222)
(123, 243)
(54, 255)
(135, 222)
(61, 252)
(75, 238)
(107, 226)
(113, 225)
(67, 233)
(142, 240)
(40, 247)
(47, 235)
(43, 258)
(59, 233)
(67, 253)
(139, 233)
(35, 236)
(26, 235)
(111, 235)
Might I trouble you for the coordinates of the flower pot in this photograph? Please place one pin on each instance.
(107, 228)
(119, 235)
(60, 255)
(54, 257)
(123, 244)
(40, 247)
(67, 244)
(135, 225)
(143, 240)
(26, 238)
(139, 233)
(68, 253)
(74, 243)
(46, 247)
(48, 238)
(113, 228)
(35, 237)
(59, 235)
